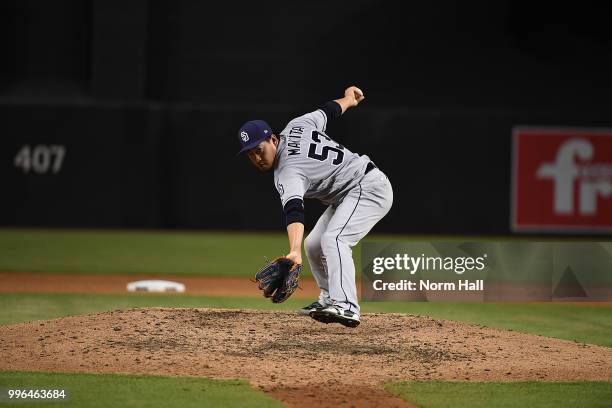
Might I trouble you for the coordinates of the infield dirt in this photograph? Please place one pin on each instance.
(298, 360)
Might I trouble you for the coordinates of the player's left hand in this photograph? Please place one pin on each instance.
(353, 95)
(278, 279)
(295, 257)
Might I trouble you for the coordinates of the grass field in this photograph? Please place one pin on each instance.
(104, 390)
(439, 394)
(119, 252)
(214, 254)
(142, 252)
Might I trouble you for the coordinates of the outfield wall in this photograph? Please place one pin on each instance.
(123, 114)
(174, 166)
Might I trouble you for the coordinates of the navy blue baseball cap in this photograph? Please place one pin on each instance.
(252, 134)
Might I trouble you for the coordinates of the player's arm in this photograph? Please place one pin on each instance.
(334, 109)
(294, 218)
(295, 232)
(292, 185)
(330, 110)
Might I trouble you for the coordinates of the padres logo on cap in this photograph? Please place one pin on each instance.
(244, 136)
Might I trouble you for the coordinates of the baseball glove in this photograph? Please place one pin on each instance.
(278, 279)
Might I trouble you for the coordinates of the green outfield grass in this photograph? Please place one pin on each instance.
(439, 394)
(579, 322)
(566, 321)
(132, 252)
(208, 253)
(105, 390)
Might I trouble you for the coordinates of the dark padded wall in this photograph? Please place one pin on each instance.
(177, 168)
(146, 98)
(108, 175)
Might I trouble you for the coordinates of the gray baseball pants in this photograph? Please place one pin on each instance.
(329, 245)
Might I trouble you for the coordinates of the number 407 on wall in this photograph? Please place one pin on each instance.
(41, 159)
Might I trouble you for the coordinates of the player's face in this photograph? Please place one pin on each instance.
(263, 155)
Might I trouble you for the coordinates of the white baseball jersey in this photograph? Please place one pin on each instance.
(309, 164)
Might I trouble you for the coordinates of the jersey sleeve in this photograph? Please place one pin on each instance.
(319, 118)
(291, 184)
(316, 119)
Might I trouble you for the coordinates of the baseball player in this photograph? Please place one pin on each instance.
(307, 163)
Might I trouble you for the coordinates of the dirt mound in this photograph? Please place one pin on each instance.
(280, 352)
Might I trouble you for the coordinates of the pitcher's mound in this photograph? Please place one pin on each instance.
(275, 350)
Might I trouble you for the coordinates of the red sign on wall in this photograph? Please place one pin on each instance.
(562, 179)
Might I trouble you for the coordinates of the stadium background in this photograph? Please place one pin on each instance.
(145, 98)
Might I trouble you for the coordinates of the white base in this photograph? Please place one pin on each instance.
(155, 286)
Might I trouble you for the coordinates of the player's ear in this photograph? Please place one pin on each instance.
(274, 140)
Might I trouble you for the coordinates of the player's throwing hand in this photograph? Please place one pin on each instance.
(354, 95)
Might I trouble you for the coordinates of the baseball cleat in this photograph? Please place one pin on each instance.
(336, 314)
(306, 310)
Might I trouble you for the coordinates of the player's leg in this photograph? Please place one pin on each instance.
(360, 210)
(316, 260)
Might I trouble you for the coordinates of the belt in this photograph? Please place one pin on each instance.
(371, 166)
